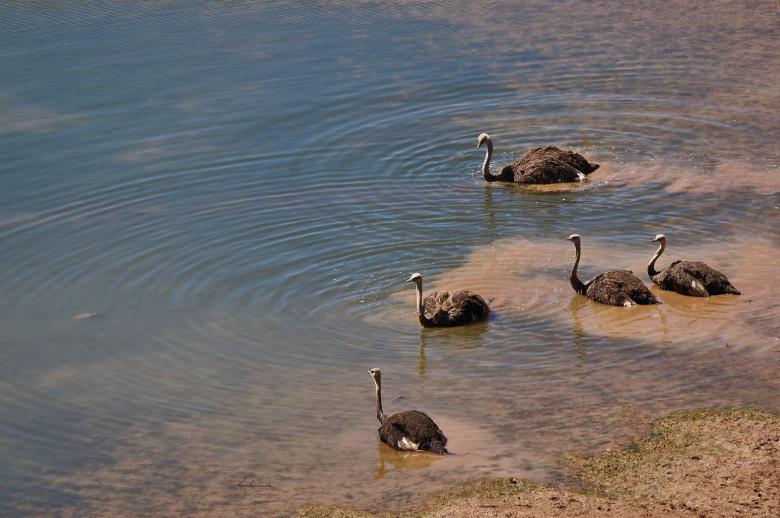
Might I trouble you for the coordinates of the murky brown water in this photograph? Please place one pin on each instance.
(206, 232)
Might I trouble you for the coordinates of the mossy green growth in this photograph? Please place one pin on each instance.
(482, 488)
(672, 439)
(330, 511)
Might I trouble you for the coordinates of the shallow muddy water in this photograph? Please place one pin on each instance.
(207, 215)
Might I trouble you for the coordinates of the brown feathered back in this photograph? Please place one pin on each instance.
(452, 308)
(412, 430)
(694, 278)
(619, 288)
(544, 165)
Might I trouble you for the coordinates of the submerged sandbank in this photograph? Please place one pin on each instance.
(530, 277)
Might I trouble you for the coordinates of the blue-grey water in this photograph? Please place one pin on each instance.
(208, 212)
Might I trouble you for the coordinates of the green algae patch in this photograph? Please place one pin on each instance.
(472, 491)
(715, 462)
(330, 511)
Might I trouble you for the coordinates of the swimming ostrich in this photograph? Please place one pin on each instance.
(408, 430)
(448, 308)
(617, 287)
(692, 278)
(538, 166)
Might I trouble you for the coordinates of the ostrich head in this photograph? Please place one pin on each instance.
(375, 373)
(659, 238)
(415, 278)
(574, 238)
(482, 138)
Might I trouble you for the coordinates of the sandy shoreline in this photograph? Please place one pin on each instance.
(689, 463)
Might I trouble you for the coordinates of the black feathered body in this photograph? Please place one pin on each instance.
(453, 308)
(693, 278)
(412, 430)
(545, 165)
(619, 288)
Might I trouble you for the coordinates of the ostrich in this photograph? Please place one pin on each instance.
(692, 278)
(617, 287)
(448, 308)
(408, 430)
(538, 166)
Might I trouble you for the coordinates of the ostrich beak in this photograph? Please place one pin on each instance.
(410, 279)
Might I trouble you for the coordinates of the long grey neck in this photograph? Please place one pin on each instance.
(420, 309)
(486, 164)
(379, 414)
(651, 265)
(576, 283)
(418, 285)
